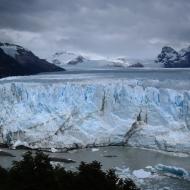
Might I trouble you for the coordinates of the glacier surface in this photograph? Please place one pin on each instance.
(61, 111)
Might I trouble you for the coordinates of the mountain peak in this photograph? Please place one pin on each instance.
(59, 53)
(168, 49)
(13, 50)
(172, 59)
(64, 57)
(24, 62)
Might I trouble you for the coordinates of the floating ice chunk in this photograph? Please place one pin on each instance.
(174, 171)
(149, 167)
(57, 164)
(95, 149)
(123, 172)
(53, 150)
(20, 143)
(141, 174)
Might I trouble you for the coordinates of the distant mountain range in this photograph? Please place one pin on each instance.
(16, 60)
(69, 60)
(168, 58)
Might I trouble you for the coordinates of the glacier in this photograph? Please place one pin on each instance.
(60, 111)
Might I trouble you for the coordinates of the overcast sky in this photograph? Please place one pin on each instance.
(133, 28)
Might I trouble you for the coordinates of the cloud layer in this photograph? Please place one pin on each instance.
(111, 28)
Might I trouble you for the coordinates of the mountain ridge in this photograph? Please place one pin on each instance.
(171, 58)
(25, 61)
(168, 58)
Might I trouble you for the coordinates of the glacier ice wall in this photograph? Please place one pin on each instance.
(70, 114)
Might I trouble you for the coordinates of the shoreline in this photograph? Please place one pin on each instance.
(69, 150)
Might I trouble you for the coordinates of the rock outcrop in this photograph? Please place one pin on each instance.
(15, 60)
(173, 59)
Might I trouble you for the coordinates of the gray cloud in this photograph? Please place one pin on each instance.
(106, 27)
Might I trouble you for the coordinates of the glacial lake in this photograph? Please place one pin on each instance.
(130, 161)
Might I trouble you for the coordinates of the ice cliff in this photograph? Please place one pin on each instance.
(59, 113)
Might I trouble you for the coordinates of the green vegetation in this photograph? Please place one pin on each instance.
(36, 173)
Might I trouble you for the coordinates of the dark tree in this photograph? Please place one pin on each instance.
(35, 172)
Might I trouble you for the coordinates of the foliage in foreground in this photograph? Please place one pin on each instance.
(36, 173)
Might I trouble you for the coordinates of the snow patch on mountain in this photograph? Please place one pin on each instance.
(11, 49)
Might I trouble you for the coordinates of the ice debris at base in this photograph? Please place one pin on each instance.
(123, 172)
(151, 177)
(141, 174)
(135, 174)
(53, 150)
(95, 149)
(57, 164)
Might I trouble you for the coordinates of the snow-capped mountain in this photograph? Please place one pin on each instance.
(25, 62)
(9, 66)
(138, 63)
(170, 58)
(71, 60)
(67, 58)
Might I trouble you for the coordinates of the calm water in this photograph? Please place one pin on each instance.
(123, 157)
